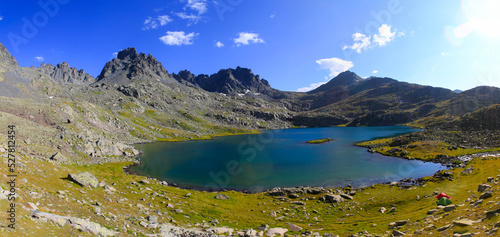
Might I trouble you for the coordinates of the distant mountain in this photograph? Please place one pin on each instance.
(346, 78)
(458, 91)
(469, 101)
(239, 81)
(238, 97)
(63, 73)
(485, 118)
(130, 66)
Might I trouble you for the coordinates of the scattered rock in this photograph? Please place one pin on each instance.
(483, 187)
(59, 157)
(432, 211)
(222, 197)
(486, 195)
(449, 208)
(345, 196)
(382, 210)
(397, 233)
(84, 179)
(393, 209)
(443, 228)
(277, 192)
(144, 181)
(77, 223)
(401, 223)
(463, 222)
(31, 206)
(294, 227)
(298, 203)
(332, 198)
(276, 231)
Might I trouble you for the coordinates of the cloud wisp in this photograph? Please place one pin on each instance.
(154, 23)
(178, 38)
(364, 42)
(245, 38)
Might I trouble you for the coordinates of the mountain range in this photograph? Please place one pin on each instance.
(135, 99)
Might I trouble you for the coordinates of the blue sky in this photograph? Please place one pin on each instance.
(295, 45)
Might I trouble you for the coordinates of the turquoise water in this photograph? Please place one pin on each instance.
(280, 158)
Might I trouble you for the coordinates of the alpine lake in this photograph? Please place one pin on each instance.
(279, 158)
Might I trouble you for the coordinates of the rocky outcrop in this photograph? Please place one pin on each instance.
(239, 81)
(80, 224)
(63, 73)
(130, 66)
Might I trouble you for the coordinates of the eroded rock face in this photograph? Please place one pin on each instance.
(130, 66)
(63, 73)
(84, 179)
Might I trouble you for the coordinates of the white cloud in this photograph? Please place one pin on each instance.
(311, 87)
(193, 19)
(219, 44)
(115, 54)
(197, 5)
(39, 58)
(374, 71)
(272, 15)
(245, 38)
(178, 38)
(164, 19)
(334, 65)
(153, 23)
(1, 17)
(363, 42)
(385, 35)
(444, 54)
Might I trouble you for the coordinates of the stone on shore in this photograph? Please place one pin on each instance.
(84, 179)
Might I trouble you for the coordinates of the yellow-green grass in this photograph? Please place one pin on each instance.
(242, 211)
(320, 141)
(424, 150)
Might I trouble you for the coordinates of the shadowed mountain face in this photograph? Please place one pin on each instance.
(239, 81)
(247, 99)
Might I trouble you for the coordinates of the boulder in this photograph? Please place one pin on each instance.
(84, 179)
(483, 187)
(345, 196)
(463, 222)
(59, 157)
(449, 208)
(486, 195)
(277, 192)
(382, 210)
(222, 197)
(332, 198)
(397, 233)
(276, 231)
(294, 227)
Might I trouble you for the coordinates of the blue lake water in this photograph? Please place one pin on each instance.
(280, 158)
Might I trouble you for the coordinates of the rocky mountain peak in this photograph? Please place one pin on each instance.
(130, 53)
(7, 61)
(63, 73)
(129, 66)
(346, 78)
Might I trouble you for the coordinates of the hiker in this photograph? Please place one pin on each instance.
(443, 199)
